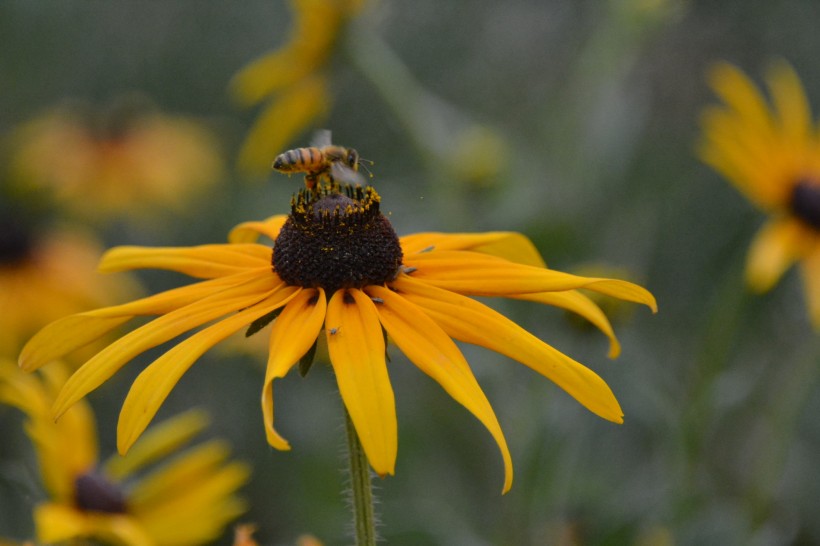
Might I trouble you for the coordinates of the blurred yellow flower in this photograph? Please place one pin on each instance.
(293, 78)
(185, 502)
(44, 276)
(128, 160)
(772, 155)
(339, 267)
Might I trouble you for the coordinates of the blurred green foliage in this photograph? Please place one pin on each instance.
(590, 109)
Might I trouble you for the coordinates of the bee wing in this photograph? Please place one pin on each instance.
(321, 138)
(342, 173)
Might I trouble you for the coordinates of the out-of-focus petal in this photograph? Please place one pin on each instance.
(810, 267)
(61, 523)
(160, 441)
(281, 121)
(774, 249)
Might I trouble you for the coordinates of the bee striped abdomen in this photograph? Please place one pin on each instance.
(300, 160)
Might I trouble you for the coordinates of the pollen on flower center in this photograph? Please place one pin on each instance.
(94, 493)
(805, 202)
(336, 237)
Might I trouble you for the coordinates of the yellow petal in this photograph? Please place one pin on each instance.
(62, 523)
(279, 123)
(473, 322)
(741, 94)
(430, 348)
(154, 384)
(356, 346)
(775, 248)
(177, 475)
(198, 520)
(293, 333)
(108, 361)
(159, 442)
(482, 275)
(810, 268)
(205, 261)
(792, 106)
(65, 335)
(249, 232)
(576, 302)
(503, 244)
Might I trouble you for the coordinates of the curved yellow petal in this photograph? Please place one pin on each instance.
(62, 523)
(65, 449)
(482, 275)
(509, 245)
(178, 475)
(72, 332)
(197, 514)
(741, 94)
(578, 303)
(432, 350)
(473, 322)
(64, 336)
(159, 442)
(356, 346)
(204, 261)
(774, 249)
(108, 361)
(154, 384)
(293, 112)
(292, 334)
(794, 113)
(249, 232)
(810, 268)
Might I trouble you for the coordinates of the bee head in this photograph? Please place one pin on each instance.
(352, 159)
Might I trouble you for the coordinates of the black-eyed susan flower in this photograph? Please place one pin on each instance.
(294, 78)
(772, 155)
(186, 501)
(338, 270)
(44, 275)
(125, 160)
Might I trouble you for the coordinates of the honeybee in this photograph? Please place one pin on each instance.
(323, 160)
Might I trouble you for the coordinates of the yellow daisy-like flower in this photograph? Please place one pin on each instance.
(109, 163)
(772, 155)
(44, 276)
(338, 269)
(294, 78)
(185, 502)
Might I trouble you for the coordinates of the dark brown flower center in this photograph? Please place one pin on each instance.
(336, 237)
(94, 493)
(805, 202)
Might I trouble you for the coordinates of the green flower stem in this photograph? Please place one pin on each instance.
(364, 519)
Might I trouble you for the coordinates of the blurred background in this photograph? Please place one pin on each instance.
(571, 121)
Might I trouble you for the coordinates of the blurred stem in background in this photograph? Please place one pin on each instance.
(456, 150)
